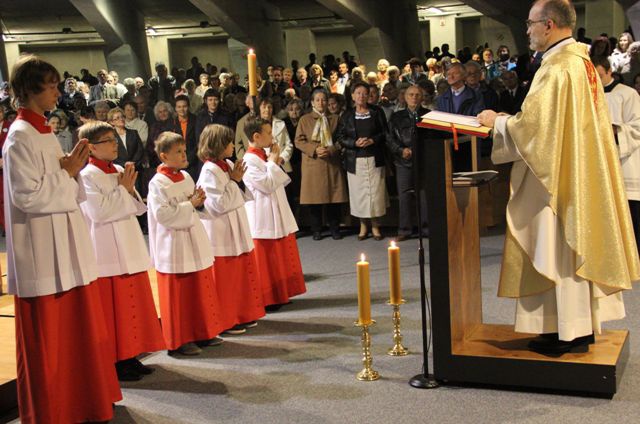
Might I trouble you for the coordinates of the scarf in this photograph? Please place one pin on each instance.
(322, 132)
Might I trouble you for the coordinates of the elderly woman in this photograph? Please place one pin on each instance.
(317, 79)
(362, 133)
(336, 104)
(132, 121)
(101, 108)
(195, 100)
(61, 132)
(130, 148)
(71, 95)
(165, 116)
(383, 65)
(204, 84)
(323, 183)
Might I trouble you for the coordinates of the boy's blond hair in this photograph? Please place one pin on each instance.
(93, 130)
(166, 141)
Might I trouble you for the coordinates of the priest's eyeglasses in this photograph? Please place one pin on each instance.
(106, 140)
(529, 22)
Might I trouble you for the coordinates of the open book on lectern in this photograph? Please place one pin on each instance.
(451, 122)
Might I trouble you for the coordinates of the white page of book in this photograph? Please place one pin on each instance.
(452, 118)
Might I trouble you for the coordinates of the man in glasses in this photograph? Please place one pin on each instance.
(569, 248)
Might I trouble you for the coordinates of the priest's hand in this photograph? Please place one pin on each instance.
(487, 118)
(406, 153)
(239, 168)
(127, 179)
(76, 160)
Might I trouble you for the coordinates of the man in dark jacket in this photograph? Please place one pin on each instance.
(212, 113)
(512, 97)
(162, 85)
(402, 135)
(461, 100)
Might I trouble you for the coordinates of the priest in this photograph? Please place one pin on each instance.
(569, 247)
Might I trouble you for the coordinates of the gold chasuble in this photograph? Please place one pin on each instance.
(565, 146)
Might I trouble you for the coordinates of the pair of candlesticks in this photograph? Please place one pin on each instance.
(368, 373)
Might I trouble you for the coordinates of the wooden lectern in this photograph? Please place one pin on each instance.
(465, 349)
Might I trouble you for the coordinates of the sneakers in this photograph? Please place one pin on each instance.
(216, 341)
(251, 324)
(235, 330)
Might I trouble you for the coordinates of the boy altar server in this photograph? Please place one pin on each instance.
(272, 223)
(225, 220)
(181, 252)
(65, 366)
(110, 209)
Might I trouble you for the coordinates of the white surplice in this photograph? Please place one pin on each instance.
(225, 218)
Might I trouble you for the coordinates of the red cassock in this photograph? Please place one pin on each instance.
(189, 307)
(130, 314)
(279, 268)
(239, 288)
(65, 368)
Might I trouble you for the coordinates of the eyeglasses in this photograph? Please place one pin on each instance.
(529, 22)
(107, 140)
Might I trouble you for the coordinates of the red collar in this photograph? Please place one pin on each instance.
(172, 174)
(36, 120)
(258, 152)
(103, 165)
(222, 164)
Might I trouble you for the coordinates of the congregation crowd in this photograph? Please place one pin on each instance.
(345, 132)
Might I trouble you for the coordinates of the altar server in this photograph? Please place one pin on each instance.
(272, 224)
(225, 220)
(110, 209)
(624, 108)
(181, 252)
(65, 368)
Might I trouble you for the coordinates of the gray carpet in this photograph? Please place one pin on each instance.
(299, 365)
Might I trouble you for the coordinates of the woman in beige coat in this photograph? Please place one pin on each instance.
(323, 179)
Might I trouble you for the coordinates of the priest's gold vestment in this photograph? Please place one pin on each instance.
(569, 249)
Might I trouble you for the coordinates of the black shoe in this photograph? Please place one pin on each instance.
(126, 372)
(139, 367)
(335, 234)
(317, 235)
(273, 308)
(402, 237)
(378, 237)
(550, 344)
(363, 237)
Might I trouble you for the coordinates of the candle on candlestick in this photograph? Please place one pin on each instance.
(395, 291)
(364, 296)
(253, 80)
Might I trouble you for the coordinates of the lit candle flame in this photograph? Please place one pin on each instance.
(393, 243)
(250, 51)
(362, 257)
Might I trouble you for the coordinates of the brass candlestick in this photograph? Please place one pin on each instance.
(397, 349)
(367, 373)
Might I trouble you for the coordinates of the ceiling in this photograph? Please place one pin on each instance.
(17, 17)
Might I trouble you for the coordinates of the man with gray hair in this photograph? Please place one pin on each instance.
(569, 246)
(458, 98)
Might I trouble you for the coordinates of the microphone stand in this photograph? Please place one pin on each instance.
(424, 380)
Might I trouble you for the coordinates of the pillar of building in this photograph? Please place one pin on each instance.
(4, 68)
(604, 16)
(383, 29)
(299, 43)
(512, 14)
(122, 28)
(632, 10)
(256, 23)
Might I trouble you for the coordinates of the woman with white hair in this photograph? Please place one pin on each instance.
(67, 102)
(383, 66)
(195, 100)
(165, 115)
(632, 67)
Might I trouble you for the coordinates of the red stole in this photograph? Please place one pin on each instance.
(258, 152)
(172, 174)
(103, 165)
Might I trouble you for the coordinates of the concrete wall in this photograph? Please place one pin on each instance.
(335, 44)
(443, 30)
(209, 50)
(496, 34)
(298, 44)
(604, 16)
(63, 57)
